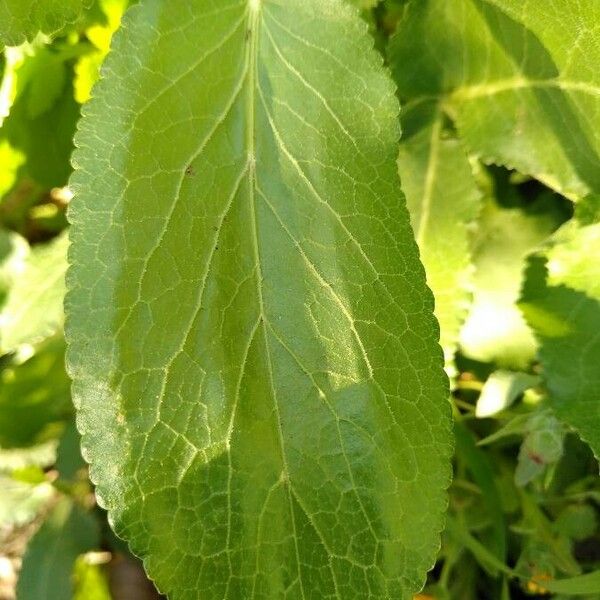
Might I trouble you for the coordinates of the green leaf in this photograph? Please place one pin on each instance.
(68, 455)
(501, 389)
(495, 329)
(34, 307)
(561, 302)
(13, 254)
(479, 464)
(44, 139)
(364, 4)
(582, 585)
(20, 502)
(47, 571)
(256, 367)
(90, 582)
(35, 397)
(519, 80)
(486, 559)
(22, 19)
(442, 200)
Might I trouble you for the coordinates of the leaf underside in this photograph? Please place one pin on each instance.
(256, 365)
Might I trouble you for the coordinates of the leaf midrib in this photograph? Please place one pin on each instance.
(254, 8)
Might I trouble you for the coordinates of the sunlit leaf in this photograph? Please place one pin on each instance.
(495, 329)
(520, 80)
(443, 200)
(259, 384)
(34, 307)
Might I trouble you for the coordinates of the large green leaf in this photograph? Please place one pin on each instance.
(519, 78)
(256, 367)
(442, 200)
(22, 19)
(561, 301)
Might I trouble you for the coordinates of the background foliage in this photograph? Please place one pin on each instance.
(499, 163)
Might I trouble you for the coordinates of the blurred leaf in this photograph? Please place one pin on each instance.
(22, 19)
(299, 294)
(478, 463)
(35, 397)
(495, 329)
(69, 460)
(14, 251)
(31, 474)
(516, 426)
(90, 581)
(577, 521)
(443, 200)
(561, 301)
(20, 502)
(519, 94)
(543, 543)
(10, 161)
(542, 446)
(486, 559)
(87, 69)
(583, 585)
(42, 455)
(501, 389)
(48, 564)
(34, 307)
(46, 141)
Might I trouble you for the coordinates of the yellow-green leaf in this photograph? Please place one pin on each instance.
(259, 384)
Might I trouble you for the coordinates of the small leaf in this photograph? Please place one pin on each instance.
(259, 385)
(90, 581)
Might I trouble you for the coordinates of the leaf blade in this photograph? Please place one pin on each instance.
(269, 322)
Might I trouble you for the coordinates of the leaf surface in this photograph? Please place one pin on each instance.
(443, 200)
(256, 367)
(561, 302)
(520, 79)
(20, 20)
